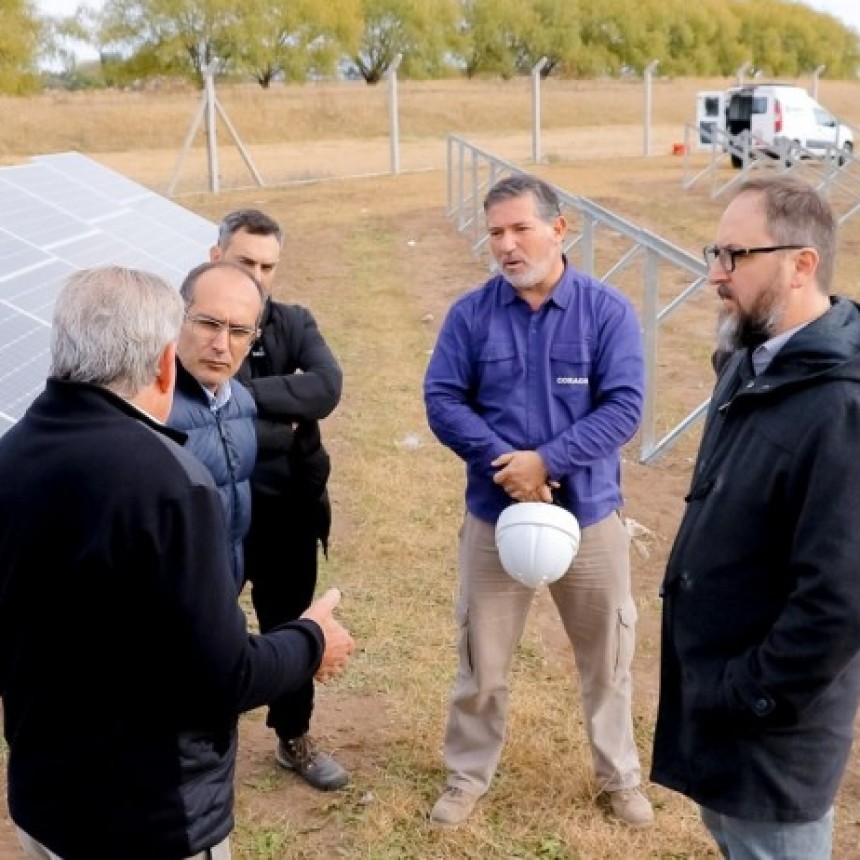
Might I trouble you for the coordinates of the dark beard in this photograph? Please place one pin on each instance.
(742, 331)
(748, 329)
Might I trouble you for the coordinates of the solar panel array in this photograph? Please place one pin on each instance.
(65, 212)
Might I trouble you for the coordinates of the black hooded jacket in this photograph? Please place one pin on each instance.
(761, 597)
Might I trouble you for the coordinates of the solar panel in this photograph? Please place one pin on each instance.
(66, 212)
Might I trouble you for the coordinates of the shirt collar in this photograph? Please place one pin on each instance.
(765, 353)
(220, 397)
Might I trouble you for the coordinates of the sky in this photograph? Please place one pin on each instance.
(848, 11)
(64, 7)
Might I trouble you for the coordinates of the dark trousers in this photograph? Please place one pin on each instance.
(281, 556)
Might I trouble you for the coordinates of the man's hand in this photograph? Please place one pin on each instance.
(523, 476)
(338, 643)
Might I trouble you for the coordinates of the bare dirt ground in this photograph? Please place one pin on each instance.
(358, 727)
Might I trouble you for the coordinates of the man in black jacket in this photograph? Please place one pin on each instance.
(295, 381)
(125, 659)
(760, 658)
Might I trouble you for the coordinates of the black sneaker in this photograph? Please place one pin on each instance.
(312, 765)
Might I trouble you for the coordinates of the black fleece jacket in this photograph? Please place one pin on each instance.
(125, 659)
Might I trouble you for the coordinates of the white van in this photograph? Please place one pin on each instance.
(773, 114)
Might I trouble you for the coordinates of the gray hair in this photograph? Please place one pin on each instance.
(110, 327)
(547, 204)
(252, 221)
(797, 214)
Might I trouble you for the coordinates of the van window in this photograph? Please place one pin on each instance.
(759, 104)
(822, 117)
(712, 105)
(739, 108)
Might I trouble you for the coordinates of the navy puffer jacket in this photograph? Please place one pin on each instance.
(226, 443)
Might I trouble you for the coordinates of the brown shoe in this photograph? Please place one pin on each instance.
(631, 806)
(453, 807)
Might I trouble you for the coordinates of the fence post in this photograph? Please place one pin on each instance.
(538, 67)
(815, 76)
(391, 74)
(649, 73)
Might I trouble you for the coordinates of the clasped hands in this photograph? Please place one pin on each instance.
(523, 476)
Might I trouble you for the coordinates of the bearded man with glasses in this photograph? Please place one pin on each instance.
(760, 651)
(223, 303)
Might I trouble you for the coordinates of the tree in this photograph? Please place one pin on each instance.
(789, 39)
(295, 38)
(556, 37)
(19, 46)
(495, 28)
(170, 36)
(426, 34)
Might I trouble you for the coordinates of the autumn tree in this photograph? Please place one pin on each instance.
(555, 36)
(19, 46)
(426, 35)
(509, 37)
(789, 39)
(170, 36)
(701, 38)
(293, 39)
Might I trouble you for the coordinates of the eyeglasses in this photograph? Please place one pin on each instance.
(209, 328)
(727, 257)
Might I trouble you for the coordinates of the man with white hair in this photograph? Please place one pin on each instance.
(125, 658)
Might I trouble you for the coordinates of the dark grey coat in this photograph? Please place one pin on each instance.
(761, 598)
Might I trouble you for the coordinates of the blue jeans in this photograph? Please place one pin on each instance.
(740, 839)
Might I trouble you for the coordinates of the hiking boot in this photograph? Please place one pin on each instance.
(631, 806)
(453, 807)
(314, 766)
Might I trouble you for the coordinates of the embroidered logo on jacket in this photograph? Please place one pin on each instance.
(572, 380)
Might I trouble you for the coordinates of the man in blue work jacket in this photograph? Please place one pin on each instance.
(536, 382)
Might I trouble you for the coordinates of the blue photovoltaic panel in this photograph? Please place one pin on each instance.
(33, 219)
(94, 177)
(60, 213)
(61, 190)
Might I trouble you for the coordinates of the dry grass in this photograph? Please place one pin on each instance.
(378, 263)
(398, 509)
(108, 122)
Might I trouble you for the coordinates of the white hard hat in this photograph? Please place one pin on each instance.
(537, 541)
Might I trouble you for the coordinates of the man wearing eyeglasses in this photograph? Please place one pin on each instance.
(223, 303)
(761, 640)
(727, 259)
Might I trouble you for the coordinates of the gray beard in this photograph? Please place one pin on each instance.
(735, 333)
(747, 330)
